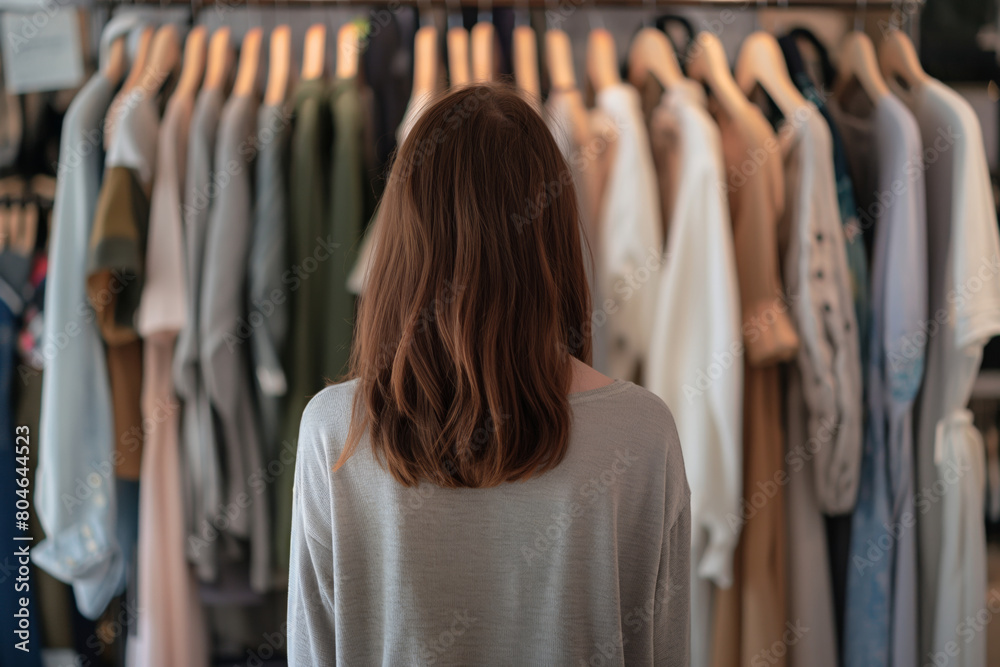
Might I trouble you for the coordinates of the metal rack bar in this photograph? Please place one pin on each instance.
(903, 6)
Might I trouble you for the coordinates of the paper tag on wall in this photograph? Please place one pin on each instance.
(41, 50)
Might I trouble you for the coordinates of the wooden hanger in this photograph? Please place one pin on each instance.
(348, 49)
(193, 67)
(526, 61)
(220, 58)
(425, 62)
(562, 80)
(709, 65)
(139, 62)
(279, 66)
(602, 60)
(559, 60)
(113, 67)
(164, 56)
(314, 55)
(760, 62)
(652, 54)
(246, 72)
(858, 66)
(483, 38)
(27, 212)
(458, 56)
(899, 62)
(11, 189)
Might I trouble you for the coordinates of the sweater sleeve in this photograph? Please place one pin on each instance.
(671, 617)
(671, 608)
(311, 618)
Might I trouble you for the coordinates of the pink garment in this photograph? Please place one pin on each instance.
(171, 624)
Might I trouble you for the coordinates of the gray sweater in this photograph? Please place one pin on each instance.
(586, 564)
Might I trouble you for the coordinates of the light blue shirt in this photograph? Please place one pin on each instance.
(881, 621)
(74, 484)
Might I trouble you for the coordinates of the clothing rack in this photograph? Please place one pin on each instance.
(906, 7)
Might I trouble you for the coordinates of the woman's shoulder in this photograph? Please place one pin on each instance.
(328, 413)
(632, 415)
(629, 406)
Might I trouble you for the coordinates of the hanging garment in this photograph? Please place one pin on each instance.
(224, 351)
(389, 51)
(630, 236)
(838, 527)
(202, 468)
(268, 292)
(695, 351)
(116, 270)
(857, 258)
(750, 615)
(824, 399)
(310, 182)
(170, 627)
(884, 151)
(76, 429)
(588, 152)
(603, 591)
(964, 284)
(115, 266)
(818, 280)
(76, 439)
(344, 230)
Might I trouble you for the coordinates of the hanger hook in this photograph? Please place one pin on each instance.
(454, 11)
(859, 16)
(595, 19)
(522, 13)
(424, 13)
(485, 11)
(649, 21)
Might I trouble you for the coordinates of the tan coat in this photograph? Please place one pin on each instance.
(750, 616)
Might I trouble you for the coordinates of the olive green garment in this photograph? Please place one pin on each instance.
(348, 175)
(309, 185)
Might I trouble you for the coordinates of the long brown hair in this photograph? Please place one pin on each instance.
(476, 298)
